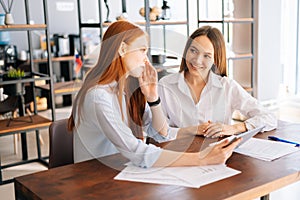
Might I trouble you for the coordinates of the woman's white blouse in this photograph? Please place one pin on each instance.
(219, 99)
(102, 131)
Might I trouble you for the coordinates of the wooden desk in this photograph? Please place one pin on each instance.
(94, 180)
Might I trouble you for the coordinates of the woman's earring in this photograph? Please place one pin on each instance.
(120, 53)
(122, 49)
(213, 68)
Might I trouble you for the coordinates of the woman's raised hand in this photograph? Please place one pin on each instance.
(148, 82)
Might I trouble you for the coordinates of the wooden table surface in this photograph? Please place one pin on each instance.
(24, 123)
(94, 180)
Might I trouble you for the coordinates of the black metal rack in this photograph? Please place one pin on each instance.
(88, 25)
(38, 122)
(164, 23)
(147, 23)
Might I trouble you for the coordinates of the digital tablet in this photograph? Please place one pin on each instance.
(245, 135)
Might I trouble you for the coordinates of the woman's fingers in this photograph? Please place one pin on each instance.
(230, 144)
(148, 82)
(219, 152)
(149, 73)
(214, 130)
(212, 133)
(152, 73)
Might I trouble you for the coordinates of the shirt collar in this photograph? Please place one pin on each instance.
(214, 80)
(112, 87)
(182, 84)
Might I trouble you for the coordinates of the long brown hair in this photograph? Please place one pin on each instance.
(217, 40)
(110, 68)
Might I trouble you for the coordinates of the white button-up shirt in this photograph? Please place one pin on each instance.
(102, 131)
(220, 97)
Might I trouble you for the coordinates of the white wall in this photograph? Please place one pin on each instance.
(288, 44)
(268, 52)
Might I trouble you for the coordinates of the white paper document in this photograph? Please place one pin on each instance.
(194, 177)
(266, 149)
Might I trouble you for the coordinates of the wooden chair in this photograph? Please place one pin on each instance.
(9, 105)
(8, 108)
(60, 144)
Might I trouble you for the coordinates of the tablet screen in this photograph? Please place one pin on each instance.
(248, 134)
(245, 135)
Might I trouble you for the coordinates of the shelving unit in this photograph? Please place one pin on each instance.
(21, 124)
(146, 23)
(227, 26)
(23, 27)
(61, 88)
(82, 25)
(165, 69)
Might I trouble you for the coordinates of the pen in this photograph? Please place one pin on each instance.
(282, 140)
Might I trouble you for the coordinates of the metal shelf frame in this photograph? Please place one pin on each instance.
(48, 77)
(227, 21)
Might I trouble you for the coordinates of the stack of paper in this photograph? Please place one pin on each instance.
(266, 149)
(182, 176)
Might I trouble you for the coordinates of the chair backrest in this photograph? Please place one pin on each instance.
(9, 104)
(60, 145)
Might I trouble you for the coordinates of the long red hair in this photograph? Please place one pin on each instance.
(110, 68)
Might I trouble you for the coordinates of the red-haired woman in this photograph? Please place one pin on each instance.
(119, 103)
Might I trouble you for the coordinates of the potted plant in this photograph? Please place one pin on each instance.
(16, 88)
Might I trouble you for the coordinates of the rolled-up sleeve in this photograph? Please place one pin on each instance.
(151, 132)
(257, 115)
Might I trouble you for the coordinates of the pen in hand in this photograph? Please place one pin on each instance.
(283, 140)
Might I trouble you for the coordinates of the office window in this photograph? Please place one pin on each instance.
(290, 51)
(298, 49)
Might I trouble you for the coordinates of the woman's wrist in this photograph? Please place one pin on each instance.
(240, 127)
(189, 130)
(154, 103)
(201, 161)
(151, 98)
